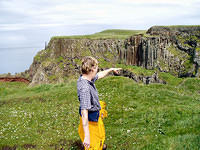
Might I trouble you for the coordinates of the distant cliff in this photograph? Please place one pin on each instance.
(174, 49)
(170, 49)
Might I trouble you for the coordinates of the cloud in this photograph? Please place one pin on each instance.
(21, 14)
(29, 23)
(164, 2)
(24, 26)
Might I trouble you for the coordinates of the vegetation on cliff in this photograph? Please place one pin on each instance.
(106, 34)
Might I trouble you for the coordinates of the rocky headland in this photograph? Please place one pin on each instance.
(173, 49)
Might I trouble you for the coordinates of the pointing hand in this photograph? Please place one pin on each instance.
(116, 70)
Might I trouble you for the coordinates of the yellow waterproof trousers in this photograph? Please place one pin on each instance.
(96, 129)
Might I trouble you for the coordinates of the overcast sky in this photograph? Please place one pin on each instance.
(25, 25)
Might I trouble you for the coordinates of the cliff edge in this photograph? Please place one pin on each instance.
(173, 49)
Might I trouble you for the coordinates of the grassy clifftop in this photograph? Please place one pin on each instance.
(106, 34)
(123, 34)
(156, 116)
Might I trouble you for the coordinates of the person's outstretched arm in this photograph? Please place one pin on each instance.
(102, 74)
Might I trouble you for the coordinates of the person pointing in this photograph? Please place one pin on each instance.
(91, 128)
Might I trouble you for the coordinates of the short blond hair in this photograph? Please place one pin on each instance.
(87, 63)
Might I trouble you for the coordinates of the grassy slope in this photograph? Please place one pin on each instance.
(106, 34)
(140, 116)
(117, 33)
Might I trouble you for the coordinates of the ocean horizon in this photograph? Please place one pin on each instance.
(17, 59)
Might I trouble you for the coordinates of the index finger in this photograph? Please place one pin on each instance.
(118, 68)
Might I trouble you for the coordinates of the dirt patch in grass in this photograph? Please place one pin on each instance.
(9, 147)
(72, 145)
(16, 100)
(26, 146)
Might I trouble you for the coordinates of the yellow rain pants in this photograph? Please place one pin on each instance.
(96, 129)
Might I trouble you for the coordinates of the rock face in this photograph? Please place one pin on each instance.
(174, 50)
(168, 49)
(62, 58)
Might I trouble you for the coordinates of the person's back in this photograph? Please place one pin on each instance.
(88, 95)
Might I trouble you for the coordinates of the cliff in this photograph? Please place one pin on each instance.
(173, 49)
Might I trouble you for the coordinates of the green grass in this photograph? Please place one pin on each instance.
(106, 34)
(136, 70)
(154, 116)
(198, 49)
